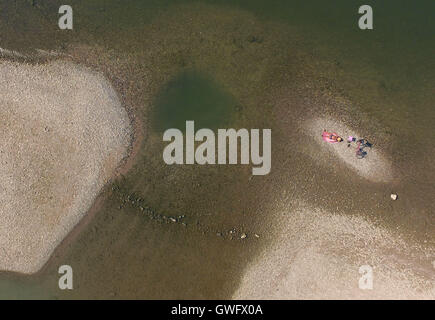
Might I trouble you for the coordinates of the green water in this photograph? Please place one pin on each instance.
(388, 72)
(21, 291)
(397, 54)
(192, 96)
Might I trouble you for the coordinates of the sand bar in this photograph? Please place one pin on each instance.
(317, 255)
(375, 166)
(63, 135)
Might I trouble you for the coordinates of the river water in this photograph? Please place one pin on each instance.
(215, 62)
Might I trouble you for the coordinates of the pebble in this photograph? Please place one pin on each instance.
(243, 236)
(394, 196)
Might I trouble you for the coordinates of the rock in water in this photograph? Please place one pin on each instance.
(394, 196)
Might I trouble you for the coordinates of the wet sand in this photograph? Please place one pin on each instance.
(317, 255)
(64, 134)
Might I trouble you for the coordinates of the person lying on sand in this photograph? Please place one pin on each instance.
(362, 143)
(365, 143)
(331, 137)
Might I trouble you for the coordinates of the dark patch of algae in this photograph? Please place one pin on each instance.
(174, 232)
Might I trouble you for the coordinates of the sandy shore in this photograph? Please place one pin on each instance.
(317, 255)
(375, 167)
(64, 133)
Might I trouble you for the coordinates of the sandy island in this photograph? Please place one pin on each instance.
(375, 167)
(63, 135)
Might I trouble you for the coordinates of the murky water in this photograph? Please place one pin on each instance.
(192, 96)
(218, 66)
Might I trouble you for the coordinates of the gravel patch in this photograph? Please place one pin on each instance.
(63, 135)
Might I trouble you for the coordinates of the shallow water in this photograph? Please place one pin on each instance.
(192, 96)
(386, 73)
(16, 289)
